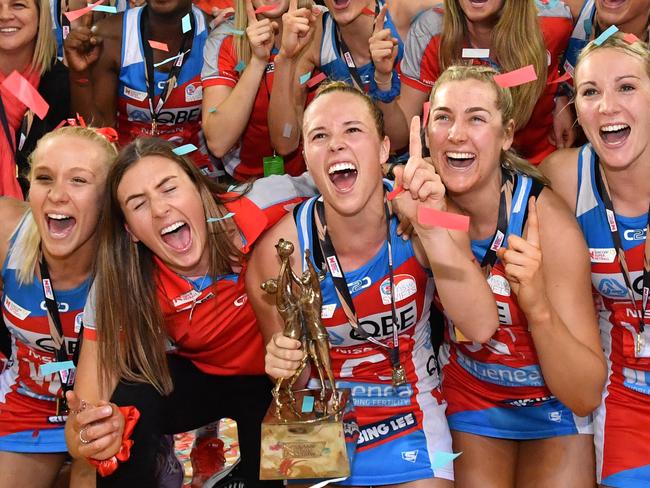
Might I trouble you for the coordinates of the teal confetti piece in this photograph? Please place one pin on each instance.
(231, 30)
(187, 25)
(442, 459)
(231, 188)
(610, 31)
(186, 149)
(212, 110)
(229, 215)
(168, 60)
(305, 78)
(104, 8)
(307, 404)
(55, 367)
(240, 66)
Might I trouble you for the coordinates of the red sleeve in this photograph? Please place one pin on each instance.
(219, 61)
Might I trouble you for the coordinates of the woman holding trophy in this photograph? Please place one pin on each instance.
(377, 289)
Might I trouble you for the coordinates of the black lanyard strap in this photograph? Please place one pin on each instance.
(343, 293)
(601, 183)
(170, 84)
(5, 127)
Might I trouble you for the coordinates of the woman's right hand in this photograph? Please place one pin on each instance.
(82, 46)
(297, 29)
(102, 425)
(283, 356)
(260, 33)
(383, 48)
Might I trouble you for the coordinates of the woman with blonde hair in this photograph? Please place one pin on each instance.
(48, 250)
(606, 183)
(509, 34)
(519, 403)
(237, 81)
(169, 330)
(27, 46)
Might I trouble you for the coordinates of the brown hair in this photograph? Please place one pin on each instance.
(505, 104)
(343, 87)
(131, 329)
(516, 41)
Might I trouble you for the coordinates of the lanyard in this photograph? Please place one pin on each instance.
(5, 127)
(343, 49)
(343, 293)
(170, 84)
(502, 222)
(613, 227)
(25, 127)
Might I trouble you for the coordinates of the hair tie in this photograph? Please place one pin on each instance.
(109, 133)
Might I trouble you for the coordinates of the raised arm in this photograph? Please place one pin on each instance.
(549, 271)
(228, 98)
(297, 56)
(447, 253)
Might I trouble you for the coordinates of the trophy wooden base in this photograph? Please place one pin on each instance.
(307, 443)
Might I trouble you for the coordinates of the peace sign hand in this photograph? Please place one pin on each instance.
(383, 47)
(522, 260)
(260, 33)
(422, 185)
(297, 30)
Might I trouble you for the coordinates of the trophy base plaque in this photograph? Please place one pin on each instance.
(318, 441)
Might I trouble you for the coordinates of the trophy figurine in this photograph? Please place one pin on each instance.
(308, 433)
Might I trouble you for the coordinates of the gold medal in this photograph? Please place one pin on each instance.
(639, 343)
(399, 376)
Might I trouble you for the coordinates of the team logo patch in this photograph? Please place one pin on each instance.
(193, 93)
(404, 287)
(410, 456)
(78, 320)
(134, 94)
(499, 285)
(327, 311)
(186, 298)
(239, 301)
(16, 310)
(602, 255)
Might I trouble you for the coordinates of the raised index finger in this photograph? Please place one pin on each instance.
(250, 12)
(293, 5)
(380, 19)
(415, 143)
(532, 230)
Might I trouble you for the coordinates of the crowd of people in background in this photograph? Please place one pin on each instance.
(153, 153)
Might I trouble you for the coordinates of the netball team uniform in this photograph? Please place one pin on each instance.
(216, 352)
(245, 160)
(420, 69)
(401, 427)
(497, 389)
(334, 62)
(179, 119)
(28, 398)
(621, 434)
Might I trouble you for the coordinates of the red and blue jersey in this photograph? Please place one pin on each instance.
(581, 35)
(179, 120)
(401, 427)
(28, 398)
(497, 388)
(420, 69)
(622, 448)
(245, 160)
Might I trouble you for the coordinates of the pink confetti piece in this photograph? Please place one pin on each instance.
(452, 221)
(75, 14)
(315, 80)
(161, 46)
(426, 108)
(630, 38)
(367, 11)
(517, 77)
(565, 77)
(265, 8)
(394, 192)
(23, 90)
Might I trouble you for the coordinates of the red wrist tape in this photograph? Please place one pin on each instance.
(108, 466)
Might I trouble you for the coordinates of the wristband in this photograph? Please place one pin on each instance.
(108, 466)
(385, 96)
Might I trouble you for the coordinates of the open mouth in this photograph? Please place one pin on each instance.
(60, 225)
(343, 176)
(613, 3)
(460, 160)
(615, 134)
(341, 4)
(177, 236)
(478, 3)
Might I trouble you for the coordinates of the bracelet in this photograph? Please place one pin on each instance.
(390, 80)
(108, 466)
(385, 96)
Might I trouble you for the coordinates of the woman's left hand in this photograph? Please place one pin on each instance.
(522, 260)
(260, 33)
(421, 184)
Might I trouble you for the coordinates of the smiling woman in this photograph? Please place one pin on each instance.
(48, 251)
(28, 47)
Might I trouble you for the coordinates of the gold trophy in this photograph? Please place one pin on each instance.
(309, 433)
